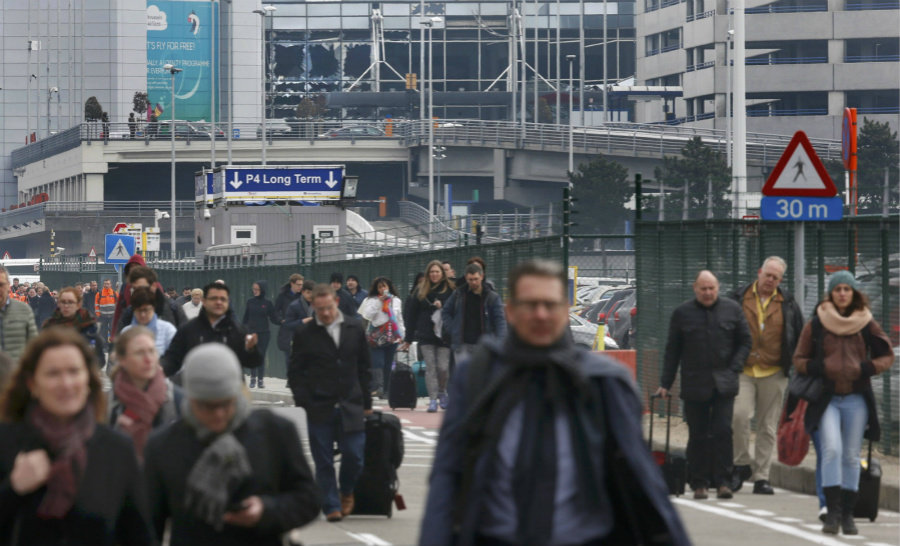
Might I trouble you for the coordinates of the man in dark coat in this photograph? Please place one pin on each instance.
(710, 340)
(214, 324)
(224, 474)
(45, 307)
(472, 311)
(89, 298)
(346, 302)
(297, 315)
(144, 276)
(329, 377)
(288, 294)
(580, 475)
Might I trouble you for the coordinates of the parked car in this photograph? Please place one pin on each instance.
(274, 128)
(607, 309)
(354, 131)
(622, 319)
(584, 333)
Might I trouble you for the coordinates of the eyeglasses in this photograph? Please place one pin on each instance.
(532, 306)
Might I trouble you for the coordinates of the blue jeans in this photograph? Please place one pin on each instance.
(817, 444)
(841, 431)
(383, 359)
(352, 446)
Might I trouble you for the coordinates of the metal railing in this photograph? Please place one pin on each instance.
(786, 60)
(700, 66)
(787, 112)
(23, 217)
(786, 9)
(879, 110)
(871, 58)
(698, 16)
(864, 6)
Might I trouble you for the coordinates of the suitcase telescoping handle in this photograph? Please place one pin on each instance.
(668, 419)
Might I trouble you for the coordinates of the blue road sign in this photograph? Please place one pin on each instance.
(237, 133)
(812, 209)
(308, 183)
(119, 248)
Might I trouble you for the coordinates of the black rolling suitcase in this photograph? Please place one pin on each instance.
(376, 489)
(869, 489)
(402, 393)
(673, 466)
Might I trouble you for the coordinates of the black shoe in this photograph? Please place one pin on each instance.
(741, 474)
(833, 517)
(762, 487)
(848, 503)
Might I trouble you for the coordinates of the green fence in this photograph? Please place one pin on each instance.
(500, 257)
(671, 253)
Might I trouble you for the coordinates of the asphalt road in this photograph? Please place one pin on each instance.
(784, 519)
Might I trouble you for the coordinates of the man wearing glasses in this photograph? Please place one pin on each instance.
(214, 324)
(542, 442)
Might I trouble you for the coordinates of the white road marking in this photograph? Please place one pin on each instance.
(789, 520)
(404, 465)
(816, 538)
(406, 421)
(813, 526)
(368, 538)
(417, 438)
(878, 544)
(432, 432)
(418, 456)
(763, 513)
(731, 505)
(415, 428)
(853, 537)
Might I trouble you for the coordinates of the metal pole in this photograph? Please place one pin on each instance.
(571, 58)
(740, 109)
(558, 67)
(728, 135)
(537, 56)
(581, 54)
(422, 58)
(605, 92)
(799, 260)
(513, 63)
(709, 199)
(172, 134)
(430, 127)
(684, 211)
(263, 53)
(212, 86)
(521, 27)
(886, 201)
(230, 78)
(638, 205)
(662, 207)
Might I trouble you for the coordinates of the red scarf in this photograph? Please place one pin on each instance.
(141, 406)
(68, 451)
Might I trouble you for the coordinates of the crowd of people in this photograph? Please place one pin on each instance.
(171, 447)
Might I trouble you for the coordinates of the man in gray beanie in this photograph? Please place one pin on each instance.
(224, 474)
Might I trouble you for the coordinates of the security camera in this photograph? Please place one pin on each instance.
(206, 214)
(60, 249)
(54, 89)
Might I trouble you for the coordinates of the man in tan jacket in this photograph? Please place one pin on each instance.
(775, 321)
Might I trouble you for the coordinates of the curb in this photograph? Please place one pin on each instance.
(272, 398)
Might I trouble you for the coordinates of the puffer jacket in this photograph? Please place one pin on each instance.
(17, 328)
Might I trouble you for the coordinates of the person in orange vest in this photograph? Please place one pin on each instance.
(105, 307)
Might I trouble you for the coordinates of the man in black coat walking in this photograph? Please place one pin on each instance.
(346, 302)
(329, 377)
(709, 338)
(214, 324)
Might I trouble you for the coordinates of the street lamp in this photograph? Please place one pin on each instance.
(157, 215)
(429, 23)
(172, 70)
(267, 10)
(50, 92)
(438, 153)
(571, 59)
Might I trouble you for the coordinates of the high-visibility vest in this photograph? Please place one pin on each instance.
(105, 302)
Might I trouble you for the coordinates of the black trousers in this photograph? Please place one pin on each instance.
(710, 445)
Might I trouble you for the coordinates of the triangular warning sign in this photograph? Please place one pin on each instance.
(92, 253)
(6, 255)
(799, 172)
(118, 252)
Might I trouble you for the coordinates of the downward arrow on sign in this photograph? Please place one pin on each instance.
(331, 181)
(236, 183)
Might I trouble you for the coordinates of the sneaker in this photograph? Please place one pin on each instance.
(724, 492)
(334, 517)
(444, 400)
(700, 494)
(252, 382)
(432, 406)
(822, 513)
(762, 487)
(741, 474)
(261, 385)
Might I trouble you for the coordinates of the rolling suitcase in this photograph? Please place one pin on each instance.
(402, 393)
(673, 466)
(376, 489)
(419, 370)
(869, 488)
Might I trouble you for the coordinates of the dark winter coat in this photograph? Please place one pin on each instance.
(198, 331)
(124, 301)
(88, 301)
(322, 375)
(619, 449)
(347, 303)
(493, 319)
(419, 326)
(293, 320)
(260, 312)
(793, 323)
(110, 506)
(284, 299)
(281, 479)
(711, 344)
(45, 308)
(164, 307)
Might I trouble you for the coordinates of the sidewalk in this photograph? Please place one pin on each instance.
(800, 479)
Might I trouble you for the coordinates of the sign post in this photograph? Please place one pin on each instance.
(848, 155)
(322, 183)
(800, 190)
(119, 249)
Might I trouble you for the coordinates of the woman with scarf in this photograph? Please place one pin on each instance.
(422, 307)
(69, 312)
(65, 478)
(384, 311)
(143, 301)
(844, 347)
(141, 398)
(258, 313)
(224, 474)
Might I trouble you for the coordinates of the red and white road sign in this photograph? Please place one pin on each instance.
(92, 253)
(799, 172)
(6, 255)
(120, 227)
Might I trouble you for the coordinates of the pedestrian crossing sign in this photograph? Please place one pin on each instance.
(119, 248)
(799, 172)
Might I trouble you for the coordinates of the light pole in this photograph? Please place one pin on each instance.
(571, 59)
(172, 70)
(49, 98)
(267, 10)
(429, 24)
(438, 153)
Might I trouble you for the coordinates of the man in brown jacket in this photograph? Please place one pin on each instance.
(775, 321)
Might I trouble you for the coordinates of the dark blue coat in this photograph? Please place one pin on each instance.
(622, 407)
(454, 311)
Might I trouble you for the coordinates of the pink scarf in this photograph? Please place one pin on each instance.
(141, 406)
(68, 451)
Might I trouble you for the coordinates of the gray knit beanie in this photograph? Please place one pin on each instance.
(842, 277)
(212, 372)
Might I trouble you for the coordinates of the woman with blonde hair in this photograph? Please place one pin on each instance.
(423, 308)
(66, 477)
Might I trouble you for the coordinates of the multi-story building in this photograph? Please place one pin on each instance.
(807, 60)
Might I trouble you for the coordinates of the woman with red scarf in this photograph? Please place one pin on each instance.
(141, 399)
(64, 477)
(69, 312)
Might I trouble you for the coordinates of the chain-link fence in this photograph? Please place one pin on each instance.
(671, 253)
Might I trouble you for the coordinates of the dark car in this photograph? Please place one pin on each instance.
(354, 131)
(614, 299)
(621, 321)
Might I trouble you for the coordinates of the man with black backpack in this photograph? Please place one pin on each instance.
(543, 443)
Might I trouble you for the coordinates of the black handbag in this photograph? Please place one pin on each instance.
(806, 387)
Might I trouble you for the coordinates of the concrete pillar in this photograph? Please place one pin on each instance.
(499, 174)
(836, 103)
(835, 51)
(93, 187)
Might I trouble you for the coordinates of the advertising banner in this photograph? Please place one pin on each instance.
(203, 186)
(179, 32)
(295, 182)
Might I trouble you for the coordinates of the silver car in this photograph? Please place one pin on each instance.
(584, 333)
